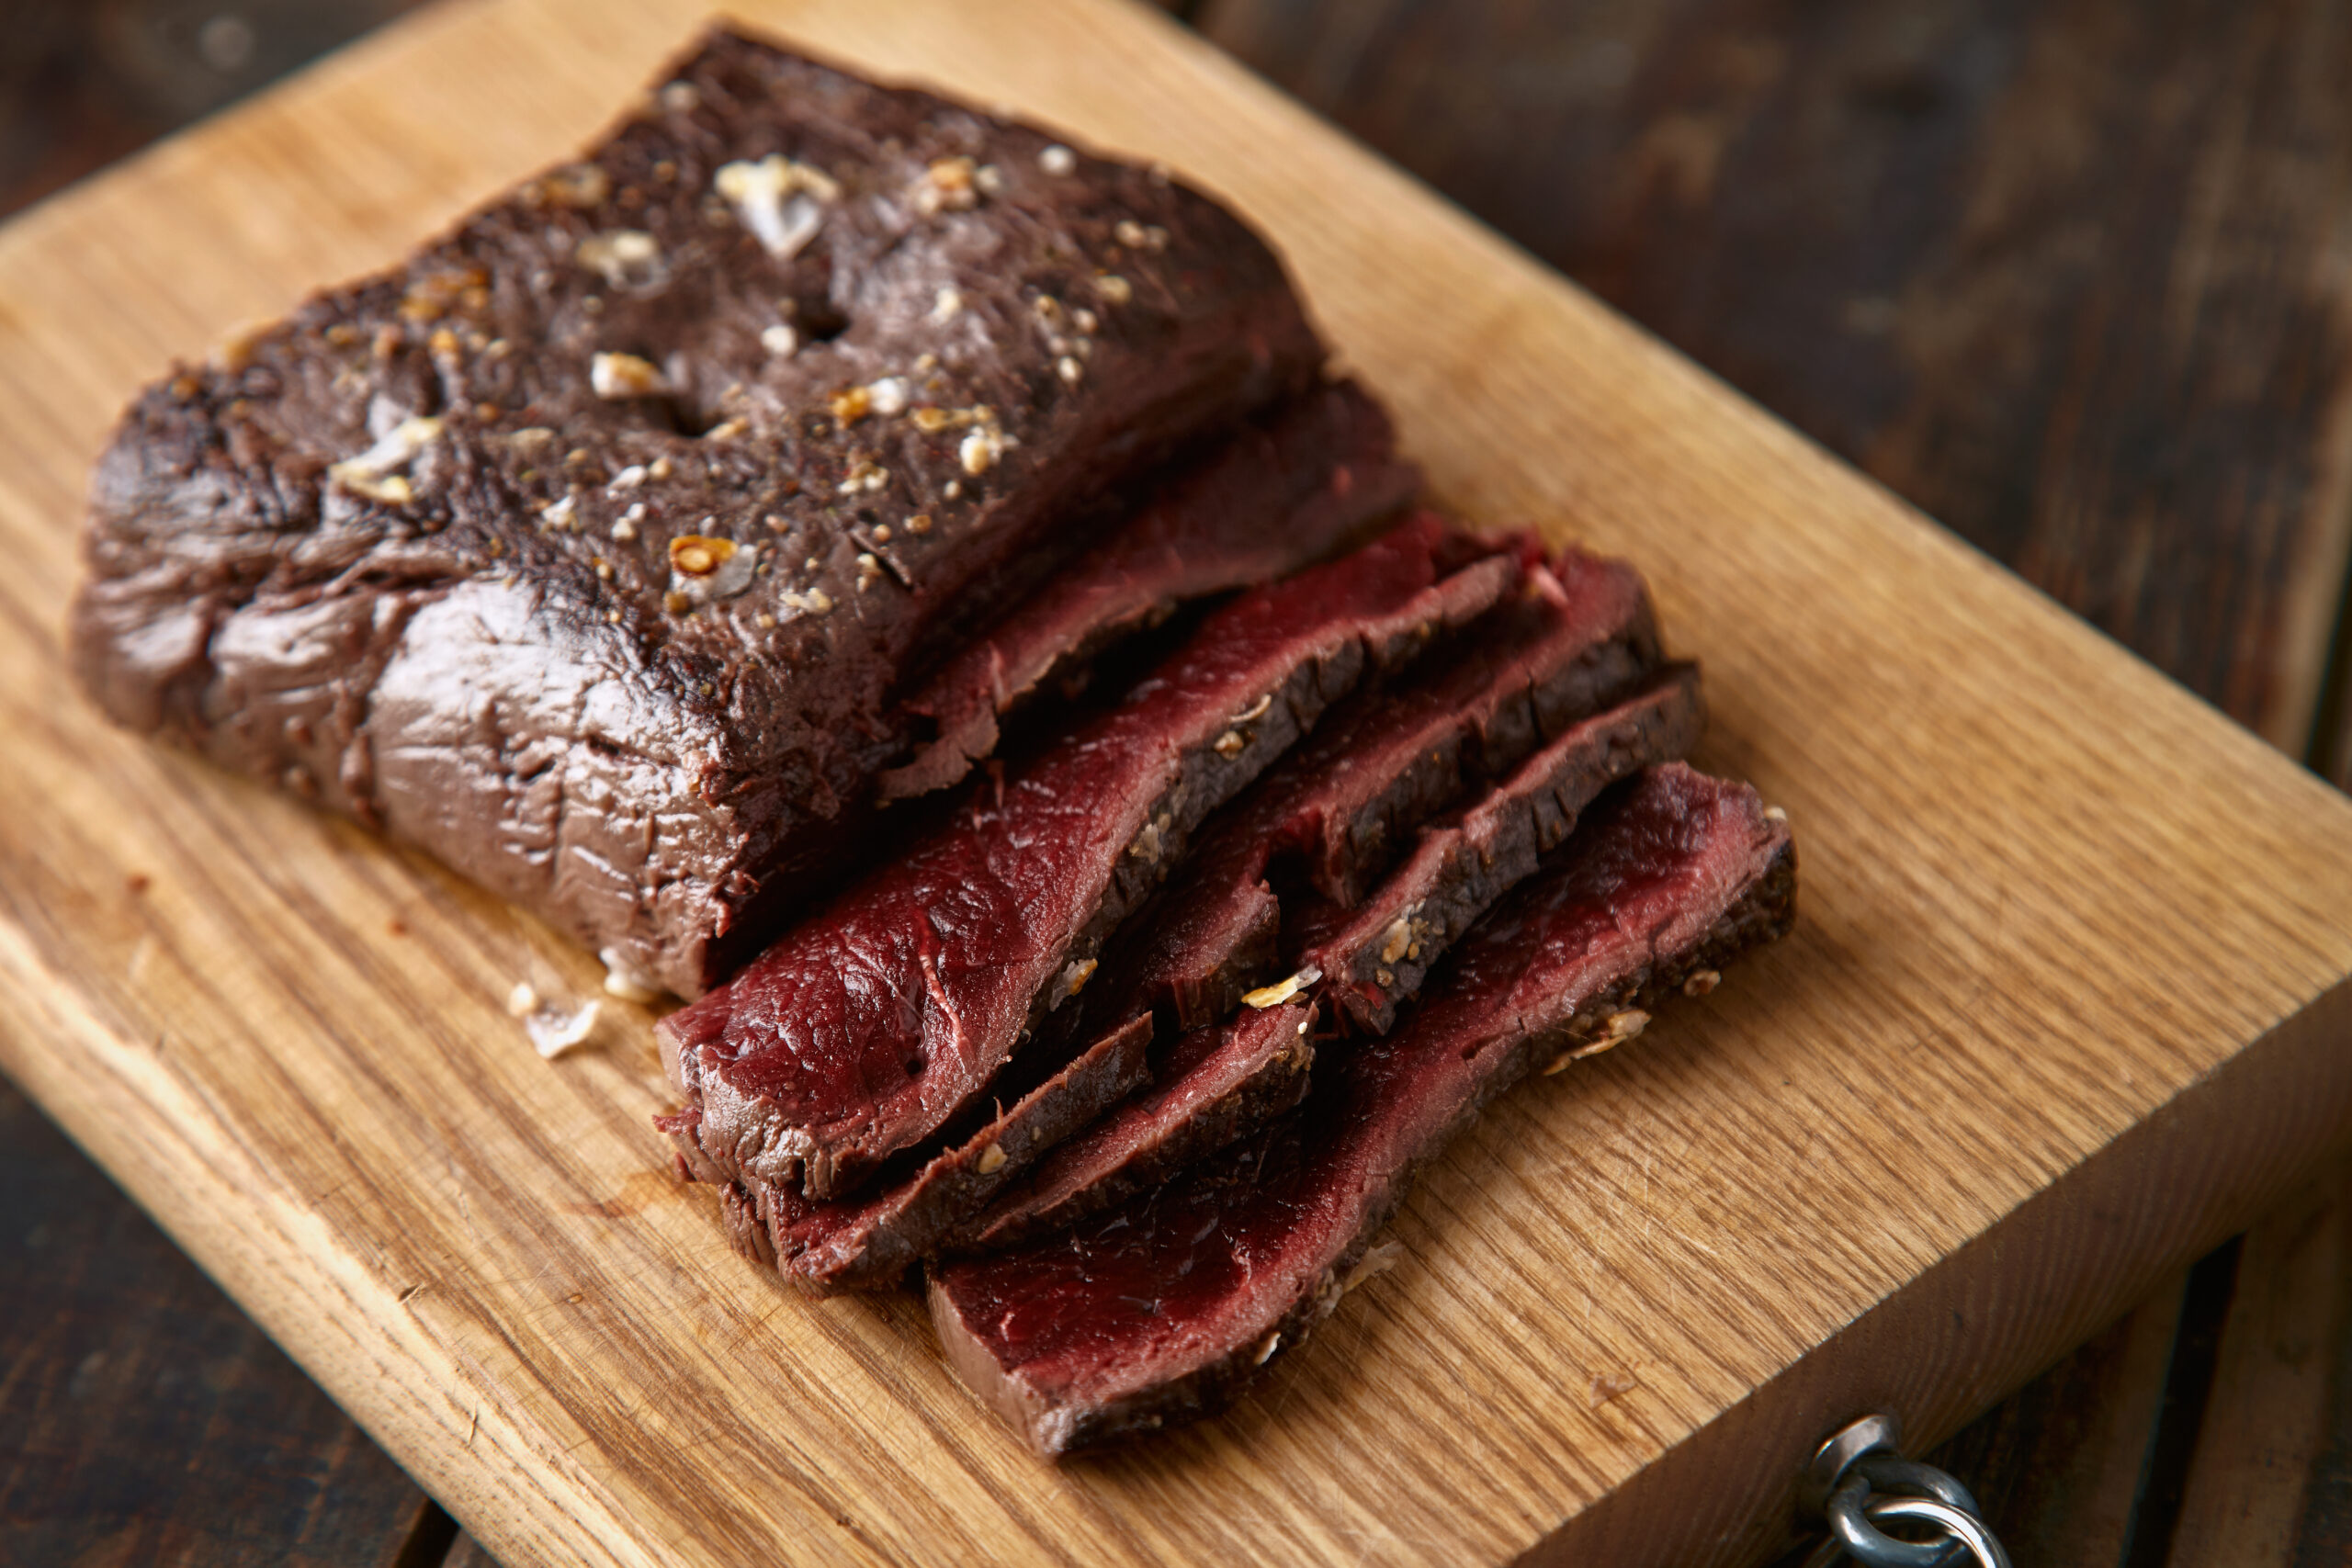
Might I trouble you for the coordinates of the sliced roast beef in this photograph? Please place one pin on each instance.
(1584, 635)
(1336, 804)
(865, 1028)
(1220, 1082)
(1346, 802)
(1162, 1308)
(1370, 957)
(1287, 491)
(1217, 1084)
(869, 1240)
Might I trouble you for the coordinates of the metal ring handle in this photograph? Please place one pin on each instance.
(1840, 1450)
(1854, 1530)
(1965, 1529)
(1887, 1474)
(1858, 1476)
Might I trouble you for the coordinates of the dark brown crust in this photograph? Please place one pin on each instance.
(865, 1243)
(1284, 493)
(1376, 955)
(450, 642)
(1241, 1085)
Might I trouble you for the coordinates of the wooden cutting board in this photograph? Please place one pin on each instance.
(2066, 1005)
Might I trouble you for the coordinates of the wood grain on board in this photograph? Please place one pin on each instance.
(2066, 1005)
(153, 1421)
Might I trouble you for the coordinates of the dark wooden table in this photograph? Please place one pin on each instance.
(2074, 276)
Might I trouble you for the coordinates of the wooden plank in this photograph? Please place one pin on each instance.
(468, 1553)
(147, 1420)
(2257, 1496)
(2067, 277)
(2034, 1046)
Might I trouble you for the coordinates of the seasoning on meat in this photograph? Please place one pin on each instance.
(1349, 800)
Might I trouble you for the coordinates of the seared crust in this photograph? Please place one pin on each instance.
(428, 551)
(1281, 493)
(1374, 956)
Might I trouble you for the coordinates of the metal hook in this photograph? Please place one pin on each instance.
(1858, 1477)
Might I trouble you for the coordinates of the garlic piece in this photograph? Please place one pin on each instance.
(981, 448)
(615, 377)
(624, 258)
(780, 201)
(1281, 991)
(705, 570)
(624, 979)
(1070, 982)
(374, 474)
(553, 1032)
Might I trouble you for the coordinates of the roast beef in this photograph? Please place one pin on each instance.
(1219, 1082)
(590, 548)
(867, 1240)
(1346, 802)
(1216, 1084)
(1371, 956)
(865, 1029)
(1162, 1308)
(1282, 492)
(1337, 807)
